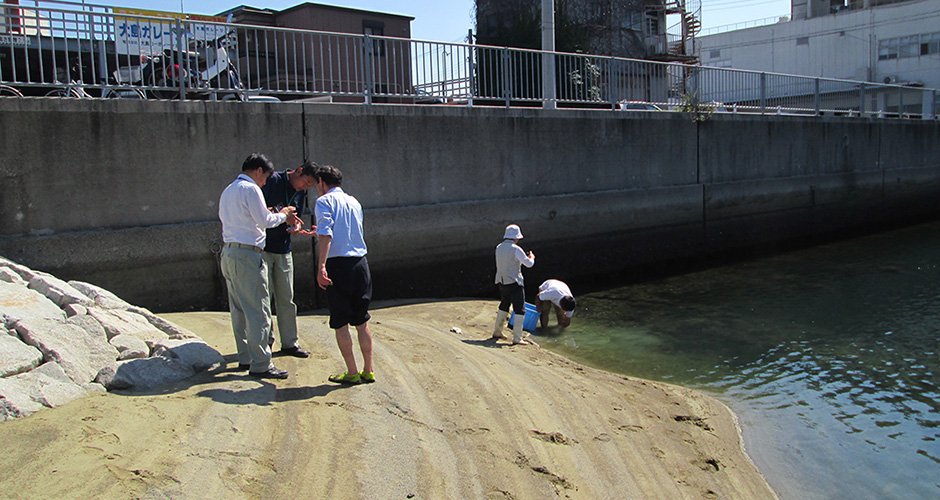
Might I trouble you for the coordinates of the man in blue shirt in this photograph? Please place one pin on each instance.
(285, 189)
(343, 271)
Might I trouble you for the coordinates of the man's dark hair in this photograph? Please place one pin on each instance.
(257, 160)
(567, 303)
(309, 168)
(330, 175)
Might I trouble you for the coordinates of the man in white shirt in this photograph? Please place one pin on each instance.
(244, 219)
(555, 294)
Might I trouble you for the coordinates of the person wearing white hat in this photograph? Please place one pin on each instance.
(510, 258)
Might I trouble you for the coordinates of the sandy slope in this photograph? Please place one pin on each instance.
(452, 416)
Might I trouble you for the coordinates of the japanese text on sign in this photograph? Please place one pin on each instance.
(145, 35)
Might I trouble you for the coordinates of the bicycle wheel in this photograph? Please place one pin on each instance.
(8, 91)
(63, 92)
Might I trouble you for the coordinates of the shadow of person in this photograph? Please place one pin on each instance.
(266, 393)
(490, 342)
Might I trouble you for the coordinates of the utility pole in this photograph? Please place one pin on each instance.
(548, 54)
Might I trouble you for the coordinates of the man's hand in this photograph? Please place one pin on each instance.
(323, 279)
(303, 232)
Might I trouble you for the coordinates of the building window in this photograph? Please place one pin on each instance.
(908, 46)
(803, 40)
(888, 49)
(930, 44)
(714, 54)
(375, 28)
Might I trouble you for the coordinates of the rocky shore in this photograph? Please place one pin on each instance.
(62, 341)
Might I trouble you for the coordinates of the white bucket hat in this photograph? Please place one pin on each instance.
(512, 232)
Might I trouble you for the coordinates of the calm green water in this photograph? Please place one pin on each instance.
(827, 355)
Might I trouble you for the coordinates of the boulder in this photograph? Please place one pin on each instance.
(58, 291)
(24, 272)
(26, 393)
(17, 357)
(101, 297)
(7, 275)
(15, 401)
(130, 347)
(18, 302)
(140, 374)
(190, 352)
(80, 352)
(117, 322)
(172, 330)
(75, 310)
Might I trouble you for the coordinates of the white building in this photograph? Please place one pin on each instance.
(881, 41)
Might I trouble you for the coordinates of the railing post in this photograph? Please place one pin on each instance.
(182, 59)
(471, 73)
(861, 100)
(816, 96)
(507, 79)
(900, 101)
(367, 53)
(763, 92)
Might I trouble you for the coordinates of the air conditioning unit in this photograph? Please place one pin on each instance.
(891, 79)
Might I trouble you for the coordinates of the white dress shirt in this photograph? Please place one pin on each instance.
(243, 213)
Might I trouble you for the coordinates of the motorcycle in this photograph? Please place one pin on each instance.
(204, 69)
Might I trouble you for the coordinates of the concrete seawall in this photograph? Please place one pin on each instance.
(124, 194)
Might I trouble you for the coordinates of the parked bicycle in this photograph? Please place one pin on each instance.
(8, 91)
(76, 89)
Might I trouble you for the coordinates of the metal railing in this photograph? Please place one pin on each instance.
(119, 53)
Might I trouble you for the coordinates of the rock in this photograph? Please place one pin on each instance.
(17, 357)
(118, 322)
(75, 310)
(24, 272)
(190, 352)
(140, 374)
(26, 393)
(58, 291)
(130, 347)
(7, 275)
(102, 298)
(80, 352)
(18, 302)
(15, 401)
(173, 331)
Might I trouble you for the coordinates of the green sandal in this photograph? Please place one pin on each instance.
(367, 377)
(345, 378)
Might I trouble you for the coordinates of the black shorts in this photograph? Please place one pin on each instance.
(351, 292)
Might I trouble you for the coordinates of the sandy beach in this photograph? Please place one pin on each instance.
(453, 415)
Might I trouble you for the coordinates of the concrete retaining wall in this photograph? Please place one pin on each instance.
(125, 194)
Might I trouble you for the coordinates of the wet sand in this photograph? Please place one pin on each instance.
(452, 415)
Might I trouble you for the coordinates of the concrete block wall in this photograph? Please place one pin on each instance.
(125, 194)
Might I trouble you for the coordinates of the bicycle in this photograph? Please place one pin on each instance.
(8, 91)
(76, 90)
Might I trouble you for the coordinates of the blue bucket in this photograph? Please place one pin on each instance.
(531, 318)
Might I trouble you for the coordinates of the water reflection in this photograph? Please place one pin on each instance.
(828, 355)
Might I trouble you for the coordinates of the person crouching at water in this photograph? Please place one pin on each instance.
(555, 294)
(510, 258)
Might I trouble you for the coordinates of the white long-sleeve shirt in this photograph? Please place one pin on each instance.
(509, 261)
(243, 213)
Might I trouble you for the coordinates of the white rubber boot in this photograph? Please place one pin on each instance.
(517, 329)
(500, 322)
